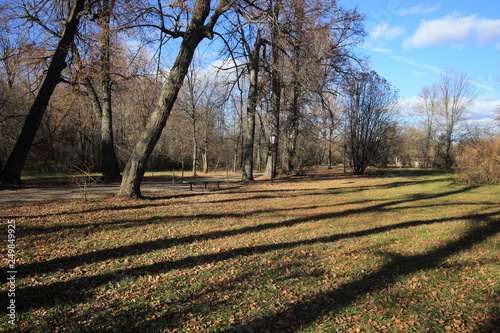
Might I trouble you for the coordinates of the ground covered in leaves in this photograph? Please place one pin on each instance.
(394, 251)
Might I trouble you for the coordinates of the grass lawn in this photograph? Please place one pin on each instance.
(394, 251)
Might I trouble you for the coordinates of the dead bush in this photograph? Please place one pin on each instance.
(479, 163)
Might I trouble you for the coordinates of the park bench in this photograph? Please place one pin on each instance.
(201, 181)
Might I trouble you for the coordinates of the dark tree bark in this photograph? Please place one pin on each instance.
(292, 128)
(17, 158)
(297, 57)
(197, 31)
(109, 162)
(276, 94)
(253, 95)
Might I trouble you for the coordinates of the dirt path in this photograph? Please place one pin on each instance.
(52, 192)
(33, 194)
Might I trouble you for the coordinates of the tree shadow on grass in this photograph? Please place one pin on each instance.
(301, 315)
(71, 262)
(301, 192)
(288, 318)
(131, 205)
(241, 188)
(77, 290)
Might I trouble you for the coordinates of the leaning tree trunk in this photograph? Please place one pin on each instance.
(18, 156)
(197, 31)
(136, 165)
(253, 95)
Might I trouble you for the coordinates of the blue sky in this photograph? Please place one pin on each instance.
(410, 42)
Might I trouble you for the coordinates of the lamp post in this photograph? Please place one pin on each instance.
(273, 140)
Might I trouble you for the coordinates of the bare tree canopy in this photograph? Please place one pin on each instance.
(369, 107)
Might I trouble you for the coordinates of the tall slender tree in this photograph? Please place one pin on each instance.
(426, 109)
(276, 85)
(253, 96)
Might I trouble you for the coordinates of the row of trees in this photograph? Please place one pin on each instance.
(96, 81)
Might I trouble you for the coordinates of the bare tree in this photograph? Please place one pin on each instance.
(201, 97)
(456, 95)
(17, 158)
(189, 102)
(317, 37)
(330, 120)
(198, 28)
(253, 95)
(426, 108)
(100, 70)
(276, 86)
(369, 106)
(248, 26)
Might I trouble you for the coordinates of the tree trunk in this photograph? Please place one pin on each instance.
(136, 166)
(276, 95)
(195, 148)
(292, 132)
(17, 158)
(109, 162)
(204, 160)
(253, 95)
(204, 151)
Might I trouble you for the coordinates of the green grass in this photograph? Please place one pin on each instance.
(395, 251)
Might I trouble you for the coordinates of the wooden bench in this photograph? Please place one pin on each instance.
(201, 181)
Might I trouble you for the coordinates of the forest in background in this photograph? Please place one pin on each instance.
(204, 85)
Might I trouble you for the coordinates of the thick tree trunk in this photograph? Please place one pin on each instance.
(17, 158)
(136, 166)
(204, 160)
(253, 95)
(109, 162)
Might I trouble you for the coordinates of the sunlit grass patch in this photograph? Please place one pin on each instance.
(392, 252)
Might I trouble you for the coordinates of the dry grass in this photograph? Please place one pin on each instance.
(395, 251)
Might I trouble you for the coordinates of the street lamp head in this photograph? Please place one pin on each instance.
(273, 139)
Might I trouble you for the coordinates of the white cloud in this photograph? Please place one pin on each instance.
(484, 109)
(419, 10)
(449, 29)
(454, 30)
(488, 30)
(385, 31)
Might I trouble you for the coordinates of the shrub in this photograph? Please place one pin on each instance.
(479, 163)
